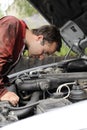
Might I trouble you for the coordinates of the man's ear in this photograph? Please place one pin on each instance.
(40, 37)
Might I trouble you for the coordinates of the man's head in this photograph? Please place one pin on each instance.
(44, 40)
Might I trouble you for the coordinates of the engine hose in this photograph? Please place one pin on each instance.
(29, 86)
(34, 85)
(22, 112)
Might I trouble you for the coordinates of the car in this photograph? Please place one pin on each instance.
(53, 96)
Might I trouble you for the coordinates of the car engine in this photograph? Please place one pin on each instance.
(45, 88)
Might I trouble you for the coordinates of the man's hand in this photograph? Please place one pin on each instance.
(11, 97)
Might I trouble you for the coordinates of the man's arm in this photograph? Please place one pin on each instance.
(8, 34)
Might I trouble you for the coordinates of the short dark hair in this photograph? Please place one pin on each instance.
(50, 33)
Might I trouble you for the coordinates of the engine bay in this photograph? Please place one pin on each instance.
(45, 88)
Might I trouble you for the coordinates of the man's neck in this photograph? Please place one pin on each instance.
(28, 37)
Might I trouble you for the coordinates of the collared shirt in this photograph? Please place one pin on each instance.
(12, 33)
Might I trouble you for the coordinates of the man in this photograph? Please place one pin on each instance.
(14, 36)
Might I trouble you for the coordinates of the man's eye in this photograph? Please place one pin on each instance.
(46, 53)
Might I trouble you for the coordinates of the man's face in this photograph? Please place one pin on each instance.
(38, 50)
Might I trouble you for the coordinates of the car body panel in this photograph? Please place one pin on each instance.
(72, 117)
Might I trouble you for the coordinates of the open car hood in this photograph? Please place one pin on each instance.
(57, 12)
(68, 16)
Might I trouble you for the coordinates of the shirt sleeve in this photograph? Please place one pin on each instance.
(8, 34)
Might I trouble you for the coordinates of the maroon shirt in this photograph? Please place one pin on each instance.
(12, 33)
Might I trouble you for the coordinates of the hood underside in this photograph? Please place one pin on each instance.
(58, 12)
